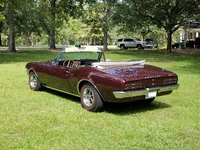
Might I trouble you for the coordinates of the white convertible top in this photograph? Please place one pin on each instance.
(102, 65)
(87, 49)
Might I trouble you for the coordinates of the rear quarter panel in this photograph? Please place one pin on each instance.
(104, 82)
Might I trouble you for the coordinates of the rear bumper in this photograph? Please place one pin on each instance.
(144, 92)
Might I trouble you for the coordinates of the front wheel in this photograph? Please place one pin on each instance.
(90, 98)
(34, 83)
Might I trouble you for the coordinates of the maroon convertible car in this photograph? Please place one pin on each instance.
(85, 73)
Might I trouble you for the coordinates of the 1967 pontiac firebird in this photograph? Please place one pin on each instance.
(85, 73)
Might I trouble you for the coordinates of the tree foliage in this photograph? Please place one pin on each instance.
(91, 19)
(28, 16)
(57, 12)
(100, 14)
(170, 14)
(69, 32)
(55, 19)
(18, 15)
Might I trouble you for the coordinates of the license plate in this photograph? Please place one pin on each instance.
(151, 94)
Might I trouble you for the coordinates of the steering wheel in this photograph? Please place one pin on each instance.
(70, 63)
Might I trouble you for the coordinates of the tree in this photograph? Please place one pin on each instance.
(92, 27)
(130, 23)
(56, 12)
(12, 11)
(11, 23)
(9, 12)
(28, 22)
(70, 32)
(170, 14)
(1, 25)
(48, 13)
(2, 18)
(104, 13)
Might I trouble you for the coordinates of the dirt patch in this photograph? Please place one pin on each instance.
(187, 51)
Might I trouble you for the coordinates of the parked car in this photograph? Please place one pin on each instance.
(189, 43)
(85, 73)
(151, 43)
(175, 45)
(125, 43)
(197, 42)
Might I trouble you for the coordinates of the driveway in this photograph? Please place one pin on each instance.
(59, 47)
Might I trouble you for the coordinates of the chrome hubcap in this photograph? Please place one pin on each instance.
(33, 81)
(88, 97)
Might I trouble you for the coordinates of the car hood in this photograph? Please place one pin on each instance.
(137, 72)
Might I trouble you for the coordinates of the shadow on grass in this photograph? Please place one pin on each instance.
(62, 95)
(136, 51)
(26, 56)
(157, 55)
(133, 107)
(116, 108)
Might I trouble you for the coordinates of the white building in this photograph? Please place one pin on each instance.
(190, 32)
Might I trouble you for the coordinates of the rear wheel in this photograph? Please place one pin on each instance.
(139, 47)
(90, 99)
(34, 83)
(122, 47)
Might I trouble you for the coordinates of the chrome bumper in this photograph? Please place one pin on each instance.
(159, 89)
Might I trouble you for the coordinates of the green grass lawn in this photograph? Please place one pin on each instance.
(53, 120)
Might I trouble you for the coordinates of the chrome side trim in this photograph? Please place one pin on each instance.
(28, 70)
(86, 81)
(126, 94)
(31, 69)
(61, 91)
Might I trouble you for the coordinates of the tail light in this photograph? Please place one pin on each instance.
(132, 86)
(170, 81)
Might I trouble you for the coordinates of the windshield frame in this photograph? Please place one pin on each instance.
(100, 56)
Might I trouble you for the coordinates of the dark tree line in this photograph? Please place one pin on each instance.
(28, 16)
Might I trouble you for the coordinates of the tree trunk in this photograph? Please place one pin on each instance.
(52, 32)
(0, 40)
(143, 36)
(29, 39)
(169, 40)
(105, 30)
(1, 24)
(52, 40)
(22, 40)
(105, 44)
(11, 21)
(94, 41)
